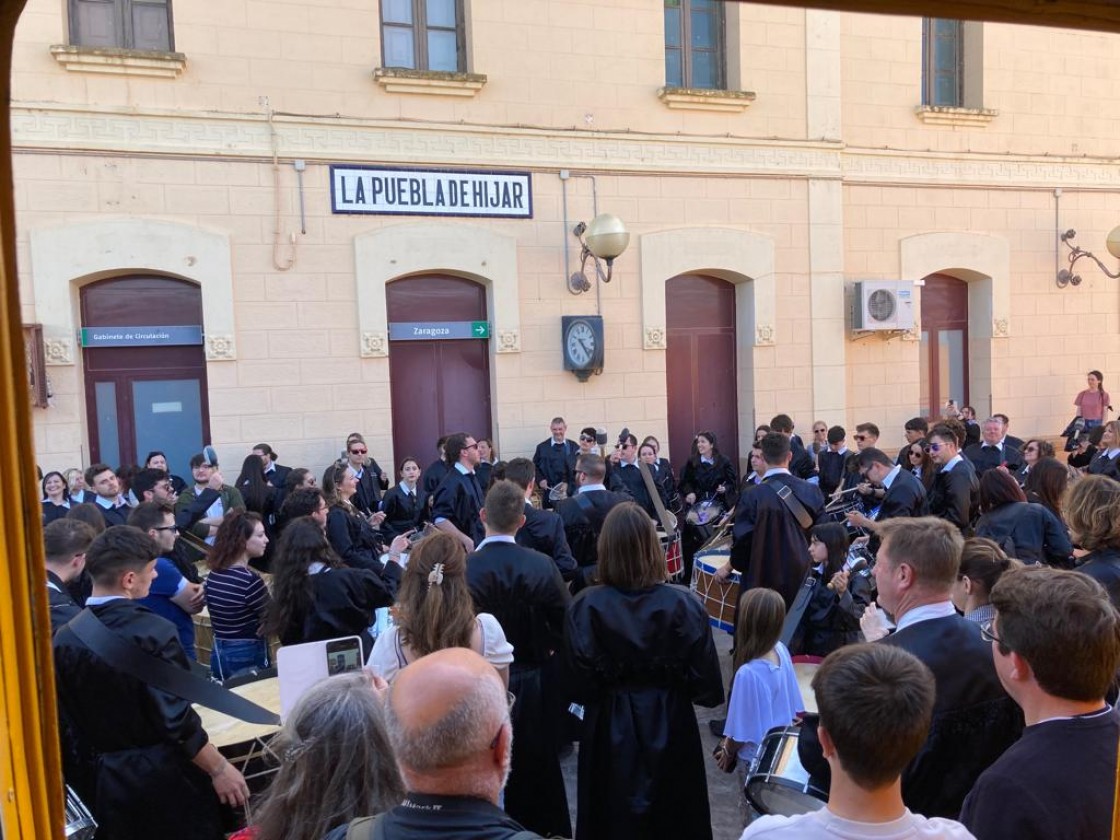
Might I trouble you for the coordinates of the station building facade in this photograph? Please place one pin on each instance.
(274, 224)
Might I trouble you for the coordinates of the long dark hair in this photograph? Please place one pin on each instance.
(254, 489)
(233, 534)
(302, 543)
(694, 456)
(1046, 484)
(834, 537)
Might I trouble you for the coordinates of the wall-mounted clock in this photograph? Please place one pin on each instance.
(583, 344)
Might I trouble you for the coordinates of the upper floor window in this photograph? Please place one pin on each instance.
(943, 72)
(423, 35)
(694, 44)
(124, 24)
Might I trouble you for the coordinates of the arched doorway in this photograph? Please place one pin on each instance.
(700, 364)
(145, 370)
(944, 346)
(438, 385)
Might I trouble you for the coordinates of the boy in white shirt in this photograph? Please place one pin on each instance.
(875, 704)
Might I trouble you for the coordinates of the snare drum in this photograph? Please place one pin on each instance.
(720, 598)
(777, 783)
(80, 824)
(674, 558)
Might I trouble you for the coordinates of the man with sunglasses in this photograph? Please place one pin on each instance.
(626, 476)
(457, 501)
(1055, 641)
(954, 495)
(371, 479)
(176, 593)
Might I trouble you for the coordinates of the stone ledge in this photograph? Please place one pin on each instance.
(944, 115)
(152, 63)
(429, 82)
(704, 99)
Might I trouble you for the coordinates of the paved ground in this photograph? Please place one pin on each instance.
(723, 788)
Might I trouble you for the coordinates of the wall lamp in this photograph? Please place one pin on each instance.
(605, 238)
(1066, 277)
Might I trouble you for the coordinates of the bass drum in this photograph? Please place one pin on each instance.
(777, 783)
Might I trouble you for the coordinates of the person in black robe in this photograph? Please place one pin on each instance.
(707, 477)
(801, 463)
(137, 756)
(524, 591)
(638, 652)
(543, 530)
(401, 504)
(904, 495)
(553, 459)
(458, 499)
(582, 515)
(974, 720)
(626, 476)
(316, 597)
(955, 494)
(433, 474)
(770, 546)
(65, 542)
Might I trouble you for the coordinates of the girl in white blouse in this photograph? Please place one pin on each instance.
(434, 611)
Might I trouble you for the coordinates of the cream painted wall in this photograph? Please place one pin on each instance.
(574, 87)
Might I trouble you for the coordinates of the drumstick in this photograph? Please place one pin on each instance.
(857, 566)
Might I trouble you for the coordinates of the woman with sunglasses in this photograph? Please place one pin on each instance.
(372, 482)
(920, 464)
(1033, 449)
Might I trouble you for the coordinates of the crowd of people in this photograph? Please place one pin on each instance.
(962, 596)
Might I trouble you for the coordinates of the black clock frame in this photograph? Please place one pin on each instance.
(595, 365)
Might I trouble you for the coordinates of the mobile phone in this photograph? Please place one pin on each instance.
(343, 655)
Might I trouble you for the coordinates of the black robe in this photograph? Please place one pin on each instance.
(637, 661)
(403, 512)
(770, 547)
(458, 499)
(627, 479)
(582, 528)
(955, 495)
(433, 474)
(524, 591)
(367, 499)
(342, 604)
(62, 604)
(543, 531)
(130, 754)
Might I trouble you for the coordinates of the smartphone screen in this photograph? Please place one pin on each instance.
(343, 655)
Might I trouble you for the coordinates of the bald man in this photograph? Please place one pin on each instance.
(448, 720)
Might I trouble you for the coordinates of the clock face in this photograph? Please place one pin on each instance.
(580, 344)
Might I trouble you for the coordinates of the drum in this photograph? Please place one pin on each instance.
(777, 783)
(706, 512)
(203, 636)
(674, 557)
(805, 671)
(80, 824)
(719, 598)
(838, 509)
(246, 745)
(558, 493)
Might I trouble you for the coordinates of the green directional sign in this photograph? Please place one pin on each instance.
(480, 329)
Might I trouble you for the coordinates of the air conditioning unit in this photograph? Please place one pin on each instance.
(883, 305)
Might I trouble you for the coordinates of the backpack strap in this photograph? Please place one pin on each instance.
(366, 828)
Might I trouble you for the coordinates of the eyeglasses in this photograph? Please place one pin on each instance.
(934, 447)
(511, 698)
(358, 451)
(860, 437)
(988, 636)
(819, 431)
(586, 439)
(915, 454)
(471, 446)
(624, 446)
(172, 528)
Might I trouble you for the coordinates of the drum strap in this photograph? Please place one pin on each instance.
(804, 519)
(797, 610)
(668, 521)
(126, 656)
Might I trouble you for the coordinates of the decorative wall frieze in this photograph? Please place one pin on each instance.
(220, 348)
(654, 338)
(374, 345)
(763, 335)
(1001, 328)
(509, 341)
(118, 131)
(58, 351)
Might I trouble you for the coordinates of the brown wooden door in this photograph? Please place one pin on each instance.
(438, 386)
(944, 347)
(700, 364)
(140, 399)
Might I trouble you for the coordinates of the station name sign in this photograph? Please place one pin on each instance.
(430, 192)
(141, 336)
(439, 330)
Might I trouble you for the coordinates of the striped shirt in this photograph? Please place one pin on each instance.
(236, 598)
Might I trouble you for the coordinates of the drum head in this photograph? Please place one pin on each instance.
(778, 783)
